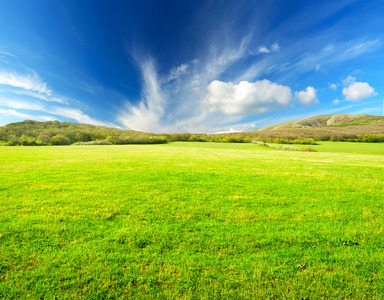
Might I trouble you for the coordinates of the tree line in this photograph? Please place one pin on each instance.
(34, 133)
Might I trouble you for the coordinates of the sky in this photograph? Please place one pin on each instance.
(200, 66)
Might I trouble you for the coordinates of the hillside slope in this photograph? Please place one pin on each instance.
(329, 121)
(341, 127)
(31, 132)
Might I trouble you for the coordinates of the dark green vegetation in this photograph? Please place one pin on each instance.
(34, 133)
(359, 128)
(191, 221)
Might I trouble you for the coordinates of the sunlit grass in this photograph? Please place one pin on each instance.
(191, 220)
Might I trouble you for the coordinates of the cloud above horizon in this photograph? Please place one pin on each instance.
(32, 86)
(307, 97)
(31, 82)
(356, 91)
(147, 114)
(210, 67)
(247, 98)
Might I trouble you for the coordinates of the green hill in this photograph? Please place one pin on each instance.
(329, 121)
(31, 133)
(340, 127)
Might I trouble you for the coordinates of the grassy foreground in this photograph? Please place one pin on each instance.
(190, 221)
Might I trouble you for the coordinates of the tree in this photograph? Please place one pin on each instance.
(60, 139)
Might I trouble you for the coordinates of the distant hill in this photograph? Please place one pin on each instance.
(338, 120)
(341, 127)
(31, 133)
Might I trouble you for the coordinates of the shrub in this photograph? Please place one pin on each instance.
(60, 139)
(308, 149)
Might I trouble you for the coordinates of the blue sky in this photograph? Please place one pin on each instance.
(191, 65)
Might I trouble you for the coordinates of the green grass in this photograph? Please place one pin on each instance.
(191, 221)
(343, 147)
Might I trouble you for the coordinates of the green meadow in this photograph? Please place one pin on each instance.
(192, 221)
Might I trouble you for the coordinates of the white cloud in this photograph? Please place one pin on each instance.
(6, 53)
(275, 47)
(14, 113)
(30, 82)
(324, 56)
(231, 130)
(307, 97)
(70, 113)
(78, 115)
(358, 90)
(220, 60)
(263, 49)
(349, 80)
(336, 101)
(317, 67)
(237, 128)
(20, 104)
(333, 86)
(176, 72)
(362, 47)
(147, 114)
(42, 96)
(247, 98)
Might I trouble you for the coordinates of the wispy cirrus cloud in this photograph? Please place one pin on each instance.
(198, 100)
(146, 115)
(289, 62)
(14, 113)
(28, 92)
(30, 82)
(21, 104)
(53, 110)
(78, 115)
(178, 71)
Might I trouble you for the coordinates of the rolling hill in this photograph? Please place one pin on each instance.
(340, 127)
(329, 121)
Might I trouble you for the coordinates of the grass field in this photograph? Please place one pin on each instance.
(192, 221)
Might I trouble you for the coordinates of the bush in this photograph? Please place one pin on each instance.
(60, 139)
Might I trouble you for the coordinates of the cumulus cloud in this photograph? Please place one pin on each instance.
(30, 82)
(336, 101)
(356, 91)
(247, 98)
(263, 49)
(307, 97)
